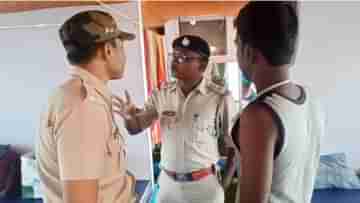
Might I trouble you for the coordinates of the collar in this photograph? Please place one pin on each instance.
(202, 87)
(92, 81)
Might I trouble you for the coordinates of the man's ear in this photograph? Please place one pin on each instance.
(107, 50)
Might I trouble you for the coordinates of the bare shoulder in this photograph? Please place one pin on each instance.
(256, 121)
(255, 111)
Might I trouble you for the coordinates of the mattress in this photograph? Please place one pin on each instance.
(336, 196)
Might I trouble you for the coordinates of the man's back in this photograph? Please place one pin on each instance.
(78, 140)
(61, 102)
(296, 163)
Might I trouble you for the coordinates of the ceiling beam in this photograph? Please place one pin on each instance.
(21, 6)
(155, 12)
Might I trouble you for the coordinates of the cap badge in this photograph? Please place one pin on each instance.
(185, 42)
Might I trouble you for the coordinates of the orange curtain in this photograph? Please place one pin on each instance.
(155, 70)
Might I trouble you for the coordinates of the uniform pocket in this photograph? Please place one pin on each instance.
(204, 129)
(116, 186)
(116, 155)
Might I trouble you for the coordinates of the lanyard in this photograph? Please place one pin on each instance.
(272, 87)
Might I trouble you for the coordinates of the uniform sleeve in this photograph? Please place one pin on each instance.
(81, 142)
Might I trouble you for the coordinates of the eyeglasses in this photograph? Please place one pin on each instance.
(180, 58)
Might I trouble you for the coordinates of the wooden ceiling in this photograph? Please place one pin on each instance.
(155, 13)
(20, 6)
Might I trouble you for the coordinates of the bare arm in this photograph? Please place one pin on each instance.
(80, 191)
(257, 138)
(230, 168)
(229, 112)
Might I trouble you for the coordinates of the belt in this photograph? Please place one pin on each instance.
(192, 176)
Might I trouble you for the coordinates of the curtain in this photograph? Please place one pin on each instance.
(156, 74)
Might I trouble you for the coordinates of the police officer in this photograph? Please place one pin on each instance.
(194, 113)
(80, 153)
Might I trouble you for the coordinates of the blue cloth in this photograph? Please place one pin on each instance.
(21, 201)
(141, 186)
(333, 172)
(336, 196)
(221, 163)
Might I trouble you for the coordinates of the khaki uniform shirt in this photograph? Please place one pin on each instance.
(79, 140)
(189, 124)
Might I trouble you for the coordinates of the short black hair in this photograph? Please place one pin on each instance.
(83, 55)
(271, 27)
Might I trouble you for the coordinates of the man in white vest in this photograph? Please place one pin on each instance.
(278, 134)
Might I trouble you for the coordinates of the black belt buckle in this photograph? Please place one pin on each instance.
(182, 177)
